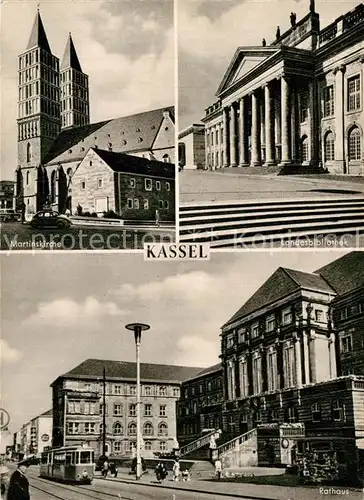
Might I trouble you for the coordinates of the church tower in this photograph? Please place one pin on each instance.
(39, 116)
(74, 89)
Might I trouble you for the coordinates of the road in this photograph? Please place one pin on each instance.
(102, 490)
(198, 186)
(17, 236)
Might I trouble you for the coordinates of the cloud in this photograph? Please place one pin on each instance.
(8, 354)
(67, 311)
(195, 351)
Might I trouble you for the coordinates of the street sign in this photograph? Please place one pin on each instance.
(4, 418)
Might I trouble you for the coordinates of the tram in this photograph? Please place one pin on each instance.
(69, 464)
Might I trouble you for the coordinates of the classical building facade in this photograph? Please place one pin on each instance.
(291, 368)
(34, 436)
(128, 185)
(78, 406)
(297, 102)
(191, 147)
(54, 130)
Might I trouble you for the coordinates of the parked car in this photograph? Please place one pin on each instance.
(50, 218)
(9, 215)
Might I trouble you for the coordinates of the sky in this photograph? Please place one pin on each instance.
(58, 310)
(125, 46)
(209, 32)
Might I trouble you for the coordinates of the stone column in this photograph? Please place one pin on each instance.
(242, 135)
(313, 117)
(255, 157)
(285, 128)
(297, 355)
(295, 148)
(332, 356)
(233, 144)
(269, 127)
(306, 358)
(340, 153)
(226, 137)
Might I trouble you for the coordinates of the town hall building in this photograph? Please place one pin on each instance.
(296, 102)
(54, 129)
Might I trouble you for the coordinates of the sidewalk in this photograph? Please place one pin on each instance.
(243, 490)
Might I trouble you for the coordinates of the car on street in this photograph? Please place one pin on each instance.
(50, 218)
(9, 215)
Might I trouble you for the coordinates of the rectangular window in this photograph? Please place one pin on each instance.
(73, 427)
(303, 108)
(148, 184)
(160, 203)
(354, 93)
(132, 390)
(168, 186)
(255, 330)
(163, 391)
(269, 324)
(244, 388)
(166, 205)
(272, 371)
(289, 367)
(136, 203)
(117, 389)
(346, 343)
(89, 428)
(257, 375)
(132, 183)
(287, 316)
(316, 412)
(132, 410)
(99, 183)
(328, 98)
(130, 202)
(148, 410)
(148, 390)
(158, 185)
(118, 410)
(162, 446)
(146, 204)
(162, 410)
(83, 185)
(319, 315)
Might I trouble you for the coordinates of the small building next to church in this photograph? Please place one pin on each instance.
(296, 102)
(191, 147)
(130, 186)
(54, 129)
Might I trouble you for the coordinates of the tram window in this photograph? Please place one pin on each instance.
(85, 457)
(70, 458)
(59, 457)
(44, 458)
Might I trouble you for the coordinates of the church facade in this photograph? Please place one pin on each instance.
(54, 129)
(296, 103)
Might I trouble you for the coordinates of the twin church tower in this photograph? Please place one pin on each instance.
(52, 97)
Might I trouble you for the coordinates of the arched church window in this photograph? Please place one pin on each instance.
(354, 144)
(29, 152)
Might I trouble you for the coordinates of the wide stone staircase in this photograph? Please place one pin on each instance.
(241, 451)
(198, 449)
(270, 223)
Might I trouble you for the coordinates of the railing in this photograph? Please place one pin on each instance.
(354, 17)
(342, 24)
(328, 34)
(236, 442)
(198, 443)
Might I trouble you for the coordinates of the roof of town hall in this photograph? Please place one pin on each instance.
(206, 371)
(281, 283)
(125, 134)
(126, 370)
(122, 162)
(345, 274)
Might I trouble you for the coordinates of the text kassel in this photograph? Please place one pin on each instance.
(175, 251)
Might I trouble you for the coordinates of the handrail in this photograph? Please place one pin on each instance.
(236, 441)
(197, 443)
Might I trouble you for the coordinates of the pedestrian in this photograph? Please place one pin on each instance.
(218, 468)
(19, 484)
(157, 218)
(161, 472)
(4, 477)
(185, 475)
(105, 468)
(176, 470)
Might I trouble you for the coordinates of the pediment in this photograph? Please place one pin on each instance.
(243, 62)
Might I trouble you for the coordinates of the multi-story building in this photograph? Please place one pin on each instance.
(296, 102)
(54, 130)
(198, 409)
(78, 406)
(132, 187)
(34, 436)
(191, 147)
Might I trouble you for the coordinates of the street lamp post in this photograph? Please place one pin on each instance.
(137, 328)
